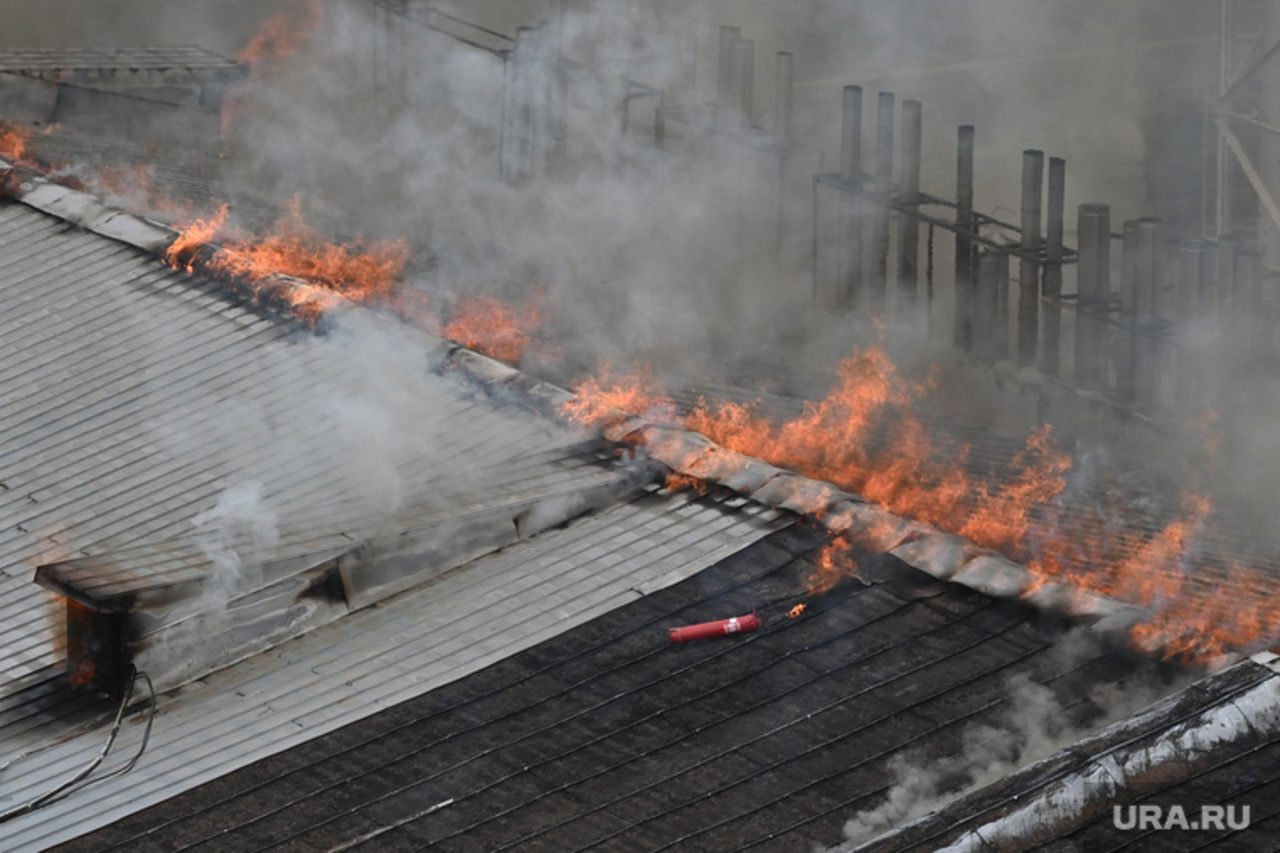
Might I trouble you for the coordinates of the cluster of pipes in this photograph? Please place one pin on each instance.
(1143, 344)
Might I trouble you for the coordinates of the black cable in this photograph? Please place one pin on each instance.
(81, 780)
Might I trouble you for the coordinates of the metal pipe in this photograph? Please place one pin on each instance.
(850, 207)
(991, 317)
(909, 193)
(1029, 271)
(1050, 352)
(964, 248)
(851, 133)
(884, 190)
(724, 75)
(1092, 288)
(785, 85)
(1130, 287)
(1146, 311)
(525, 38)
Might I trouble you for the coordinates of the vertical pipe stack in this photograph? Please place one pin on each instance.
(850, 169)
(1190, 260)
(1130, 297)
(964, 246)
(991, 314)
(724, 72)
(515, 150)
(884, 194)
(1147, 350)
(1050, 351)
(1093, 290)
(525, 46)
(784, 86)
(909, 193)
(1028, 270)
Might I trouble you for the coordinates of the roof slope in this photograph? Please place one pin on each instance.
(136, 399)
(609, 735)
(367, 661)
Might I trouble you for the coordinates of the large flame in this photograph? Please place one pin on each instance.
(864, 437)
(327, 272)
(323, 274)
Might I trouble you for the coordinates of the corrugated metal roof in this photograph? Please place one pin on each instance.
(132, 397)
(373, 658)
(52, 60)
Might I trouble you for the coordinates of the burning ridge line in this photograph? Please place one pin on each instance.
(1142, 588)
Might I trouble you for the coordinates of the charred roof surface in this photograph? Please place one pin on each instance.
(610, 736)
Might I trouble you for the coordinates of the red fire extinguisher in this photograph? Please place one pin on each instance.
(718, 628)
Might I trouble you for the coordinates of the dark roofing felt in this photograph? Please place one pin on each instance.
(609, 736)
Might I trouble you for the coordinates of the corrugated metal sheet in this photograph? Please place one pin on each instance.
(45, 61)
(131, 397)
(374, 658)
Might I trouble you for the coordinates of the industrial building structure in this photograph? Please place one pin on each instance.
(362, 587)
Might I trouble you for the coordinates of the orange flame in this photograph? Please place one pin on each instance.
(796, 611)
(182, 251)
(325, 274)
(863, 436)
(13, 142)
(329, 272)
(835, 562)
(15, 147)
(495, 328)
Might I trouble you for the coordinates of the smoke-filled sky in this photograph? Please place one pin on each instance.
(671, 258)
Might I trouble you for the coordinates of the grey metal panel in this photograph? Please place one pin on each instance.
(371, 659)
(116, 379)
(131, 397)
(126, 58)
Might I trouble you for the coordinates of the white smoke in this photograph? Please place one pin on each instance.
(233, 534)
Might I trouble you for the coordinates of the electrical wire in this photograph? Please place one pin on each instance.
(81, 780)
